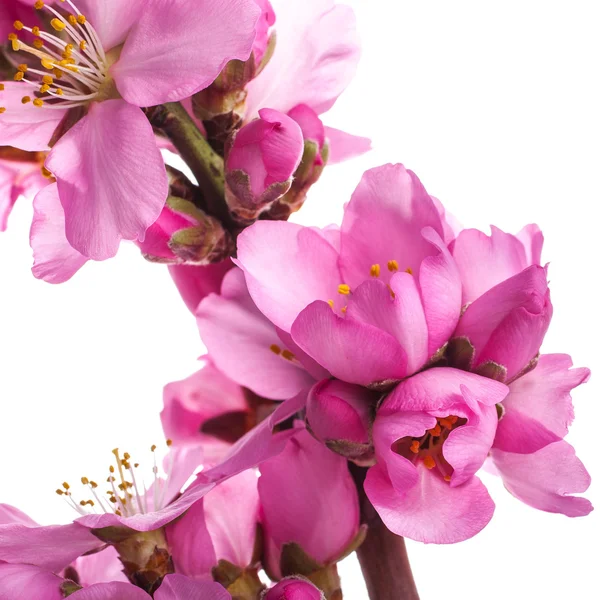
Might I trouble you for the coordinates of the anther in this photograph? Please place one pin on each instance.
(18, 25)
(1, 87)
(25, 99)
(288, 355)
(275, 349)
(409, 271)
(169, 443)
(392, 266)
(47, 79)
(415, 446)
(2, 110)
(343, 289)
(436, 431)
(37, 43)
(38, 5)
(47, 174)
(23, 68)
(447, 477)
(429, 462)
(35, 30)
(18, 76)
(66, 485)
(375, 270)
(153, 448)
(331, 303)
(82, 45)
(57, 24)
(85, 480)
(44, 88)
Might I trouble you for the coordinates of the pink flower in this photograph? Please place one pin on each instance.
(529, 452)
(22, 581)
(111, 178)
(372, 303)
(315, 58)
(294, 588)
(265, 22)
(307, 497)
(222, 526)
(196, 282)
(431, 435)
(206, 408)
(260, 162)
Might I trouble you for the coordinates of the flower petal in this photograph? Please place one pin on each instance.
(178, 587)
(100, 567)
(54, 260)
(25, 126)
(545, 478)
(111, 178)
(162, 61)
(25, 582)
(10, 514)
(343, 146)
(110, 591)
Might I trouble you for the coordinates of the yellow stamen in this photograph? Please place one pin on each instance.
(343, 289)
(18, 25)
(58, 91)
(57, 73)
(72, 20)
(2, 110)
(38, 102)
(288, 355)
(22, 68)
(275, 349)
(38, 5)
(47, 79)
(331, 303)
(44, 88)
(81, 19)
(447, 477)
(18, 76)
(392, 266)
(344, 309)
(436, 431)
(35, 30)
(429, 462)
(1, 87)
(375, 270)
(47, 174)
(82, 45)
(57, 24)
(25, 99)
(38, 44)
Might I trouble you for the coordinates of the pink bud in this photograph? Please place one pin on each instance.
(222, 526)
(294, 588)
(340, 412)
(312, 127)
(307, 497)
(261, 161)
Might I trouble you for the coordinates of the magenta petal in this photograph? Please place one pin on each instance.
(26, 582)
(383, 222)
(539, 410)
(25, 126)
(350, 350)
(178, 587)
(111, 178)
(431, 511)
(52, 547)
(54, 260)
(343, 146)
(294, 588)
(11, 515)
(231, 326)
(110, 591)
(171, 65)
(310, 124)
(546, 478)
(287, 267)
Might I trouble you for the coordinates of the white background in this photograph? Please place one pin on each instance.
(495, 105)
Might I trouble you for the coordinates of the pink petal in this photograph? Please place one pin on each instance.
(232, 327)
(546, 478)
(111, 177)
(196, 282)
(287, 267)
(532, 239)
(9, 193)
(26, 582)
(190, 403)
(112, 19)
(110, 591)
(539, 410)
(156, 68)
(450, 223)
(294, 588)
(485, 261)
(315, 58)
(383, 222)
(400, 315)
(54, 260)
(344, 146)
(178, 587)
(25, 126)
(11, 515)
(431, 511)
(100, 567)
(310, 124)
(350, 350)
(52, 547)
(309, 484)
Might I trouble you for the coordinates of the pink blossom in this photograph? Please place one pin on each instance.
(222, 526)
(111, 178)
(535, 463)
(371, 303)
(265, 22)
(24, 582)
(294, 588)
(431, 435)
(262, 157)
(307, 497)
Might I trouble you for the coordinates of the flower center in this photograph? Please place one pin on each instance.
(126, 495)
(428, 447)
(73, 55)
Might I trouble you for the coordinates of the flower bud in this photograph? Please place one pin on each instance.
(309, 506)
(294, 588)
(185, 234)
(340, 415)
(260, 163)
(500, 334)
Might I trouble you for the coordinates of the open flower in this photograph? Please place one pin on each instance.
(431, 435)
(108, 62)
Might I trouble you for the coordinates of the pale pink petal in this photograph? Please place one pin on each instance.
(431, 511)
(25, 126)
(383, 222)
(100, 567)
(314, 61)
(310, 124)
(196, 282)
(343, 146)
(52, 547)
(9, 193)
(546, 478)
(112, 19)
(178, 587)
(450, 223)
(54, 260)
(26, 582)
(11, 515)
(350, 350)
(287, 267)
(111, 178)
(163, 61)
(539, 410)
(245, 346)
(533, 240)
(110, 591)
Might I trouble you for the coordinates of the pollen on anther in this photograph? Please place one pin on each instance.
(2, 110)
(38, 5)
(38, 102)
(57, 24)
(72, 20)
(415, 446)
(81, 19)
(343, 289)
(1, 87)
(23, 68)
(288, 355)
(66, 485)
(18, 25)
(47, 79)
(436, 431)
(153, 448)
(331, 303)
(169, 443)
(275, 349)
(35, 30)
(375, 270)
(25, 99)
(429, 462)
(447, 477)
(82, 45)
(38, 44)
(47, 174)
(393, 266)
(44, 88)
(408, 270)
(18, 76)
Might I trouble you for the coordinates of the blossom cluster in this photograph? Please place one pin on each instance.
(380, 363)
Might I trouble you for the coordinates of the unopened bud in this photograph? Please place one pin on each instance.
(294, 588)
